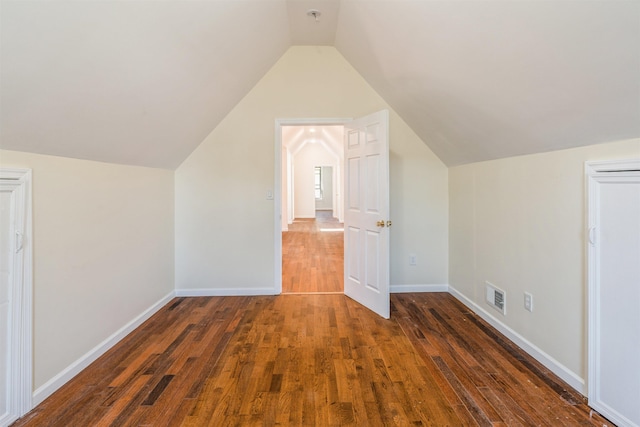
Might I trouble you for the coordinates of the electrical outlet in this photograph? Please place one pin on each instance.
(528, 301)
(412, 259)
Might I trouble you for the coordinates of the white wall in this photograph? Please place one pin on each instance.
(103, 251)
(224, 222)
(304, 162)
(519, 223)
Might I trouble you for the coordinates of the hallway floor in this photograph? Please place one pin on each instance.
(313, 255)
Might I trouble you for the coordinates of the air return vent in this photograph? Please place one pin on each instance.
(496, 298)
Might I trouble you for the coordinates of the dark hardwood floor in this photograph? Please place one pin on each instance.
(319, 360)
(313, 255)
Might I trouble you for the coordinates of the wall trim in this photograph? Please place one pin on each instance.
(622, 165)
(224, 292)
(401, 289)
(549, 362)
(76, 367)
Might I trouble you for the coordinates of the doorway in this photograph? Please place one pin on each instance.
(312, 229)
(364, 180)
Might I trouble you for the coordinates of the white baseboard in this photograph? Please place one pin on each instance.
(224, 292)
(7, 419)
(399, 289)
(549, 362)
(74, 369)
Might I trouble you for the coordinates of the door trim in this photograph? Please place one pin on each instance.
(277, 190)
(21, 344)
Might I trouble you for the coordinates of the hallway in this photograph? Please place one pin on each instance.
(312, 255)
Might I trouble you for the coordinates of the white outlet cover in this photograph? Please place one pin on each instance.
(528, 301)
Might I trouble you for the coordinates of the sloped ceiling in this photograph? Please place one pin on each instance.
(295, 138)
(143, 82)
(479, 80)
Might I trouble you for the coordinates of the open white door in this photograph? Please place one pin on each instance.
(366, 216)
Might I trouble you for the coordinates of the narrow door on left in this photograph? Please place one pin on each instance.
(6, 263)
(15, 295)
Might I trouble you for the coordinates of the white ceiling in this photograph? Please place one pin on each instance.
(480, 80)
(295, 138)
(143, 82)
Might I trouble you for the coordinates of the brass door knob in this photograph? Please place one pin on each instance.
(380, 223)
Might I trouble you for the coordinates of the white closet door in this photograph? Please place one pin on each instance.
(6, 263)
(614, 296)
(15, 295)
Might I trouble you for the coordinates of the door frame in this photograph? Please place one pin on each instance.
(277, 190)
(21, 340)
(597, 172)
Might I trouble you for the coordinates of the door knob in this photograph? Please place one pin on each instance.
(380, 223)
(388, 223)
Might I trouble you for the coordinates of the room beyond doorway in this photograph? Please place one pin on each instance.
(313, 255)
(311, 206)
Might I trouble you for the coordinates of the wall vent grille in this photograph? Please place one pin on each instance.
(496, 298)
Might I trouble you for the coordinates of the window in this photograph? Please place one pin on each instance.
(318, 181)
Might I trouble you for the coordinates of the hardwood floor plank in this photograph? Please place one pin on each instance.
(312, 255)
(157, 390)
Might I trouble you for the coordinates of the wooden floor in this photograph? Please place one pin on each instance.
(313, 255)
(320, 360)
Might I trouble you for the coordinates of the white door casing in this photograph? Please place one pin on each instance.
(366, 212)
(613, 249)
(282, 162)
(15, 295)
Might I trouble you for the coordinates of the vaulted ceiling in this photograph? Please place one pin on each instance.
(143, 82)
(295, 138)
